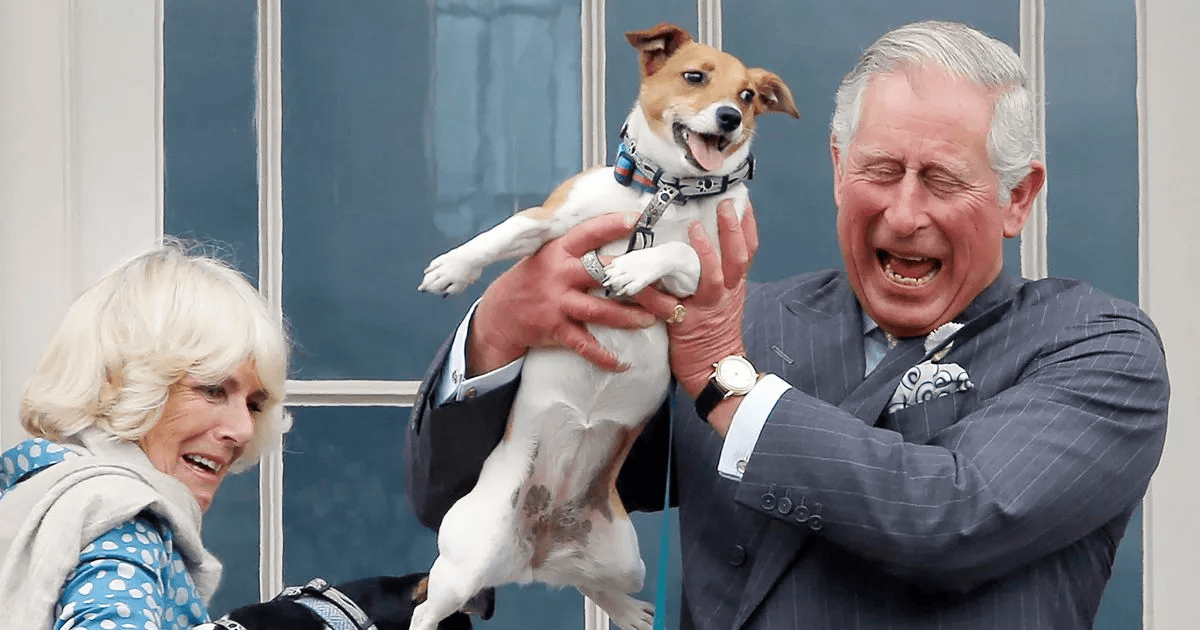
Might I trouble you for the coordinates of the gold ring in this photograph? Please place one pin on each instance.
(677, 315)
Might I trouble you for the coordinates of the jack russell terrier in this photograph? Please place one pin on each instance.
(545, 507)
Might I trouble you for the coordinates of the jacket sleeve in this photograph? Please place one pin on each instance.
(1065, 448)
(445, 445)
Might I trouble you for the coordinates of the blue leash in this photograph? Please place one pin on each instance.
(664, 539)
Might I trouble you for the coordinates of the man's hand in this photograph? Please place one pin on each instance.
(544, 301)
(712, 327)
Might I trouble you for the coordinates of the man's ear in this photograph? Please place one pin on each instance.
(1021, 198)
(836, 155)
(656, 44)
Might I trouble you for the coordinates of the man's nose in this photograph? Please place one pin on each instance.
(906, 213)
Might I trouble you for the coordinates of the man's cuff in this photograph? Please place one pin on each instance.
(454, 385)
(747, 423)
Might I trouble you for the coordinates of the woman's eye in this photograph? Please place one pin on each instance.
(254, 406)
(694, 77)
(214, 392)
(747, 95)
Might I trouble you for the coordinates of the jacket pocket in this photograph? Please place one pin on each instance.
(919, 423)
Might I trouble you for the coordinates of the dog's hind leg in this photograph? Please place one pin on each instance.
(625, 611)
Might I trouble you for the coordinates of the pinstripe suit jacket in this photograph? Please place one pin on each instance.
(999, 508)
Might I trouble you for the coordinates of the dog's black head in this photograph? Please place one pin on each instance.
(388, 600)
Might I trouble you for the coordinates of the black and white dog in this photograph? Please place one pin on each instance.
(376, 603)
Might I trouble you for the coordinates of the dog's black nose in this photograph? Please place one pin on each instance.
(728, 118)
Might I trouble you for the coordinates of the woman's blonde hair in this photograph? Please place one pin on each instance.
(170, 312)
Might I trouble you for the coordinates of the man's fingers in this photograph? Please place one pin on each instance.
(660, 304)
(587, 308)
(735, 257)
(579, 341)
(750, 229)
(712, 277)
(597, 231)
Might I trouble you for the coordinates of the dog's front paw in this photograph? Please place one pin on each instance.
(449, 274)
(629, 273)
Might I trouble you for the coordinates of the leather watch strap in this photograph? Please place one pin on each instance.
(708, 399)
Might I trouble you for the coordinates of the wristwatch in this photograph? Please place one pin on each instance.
(733, 375)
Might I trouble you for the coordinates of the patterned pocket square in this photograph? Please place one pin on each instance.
(926, 381)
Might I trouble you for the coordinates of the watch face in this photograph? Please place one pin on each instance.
(736, 374)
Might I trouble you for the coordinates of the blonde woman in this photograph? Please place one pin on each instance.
(164, 377)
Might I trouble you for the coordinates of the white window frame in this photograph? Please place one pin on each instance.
(81, 187)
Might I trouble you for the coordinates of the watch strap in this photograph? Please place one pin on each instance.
(708, 399)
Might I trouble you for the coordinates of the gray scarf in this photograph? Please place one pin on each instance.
(47, 519)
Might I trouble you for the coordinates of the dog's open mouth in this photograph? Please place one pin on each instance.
(704, 150)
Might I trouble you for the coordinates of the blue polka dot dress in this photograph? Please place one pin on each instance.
(131, 577)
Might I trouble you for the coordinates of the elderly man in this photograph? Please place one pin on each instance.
(916, 441)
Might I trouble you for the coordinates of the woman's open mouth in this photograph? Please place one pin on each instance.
(203, 464)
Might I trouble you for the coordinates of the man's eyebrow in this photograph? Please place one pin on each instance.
(872, 154)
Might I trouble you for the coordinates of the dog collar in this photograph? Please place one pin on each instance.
(331, 605)
(637, 171)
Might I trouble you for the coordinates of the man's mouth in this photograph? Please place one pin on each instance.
(704, 150)
(910, 271)
(203, 464)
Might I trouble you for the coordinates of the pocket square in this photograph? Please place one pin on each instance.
(928, 380)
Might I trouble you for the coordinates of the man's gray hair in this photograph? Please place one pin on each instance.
(962, 52)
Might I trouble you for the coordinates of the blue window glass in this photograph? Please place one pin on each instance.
(408, 128)
(209, 136)
(1092, 195)
(231, 533)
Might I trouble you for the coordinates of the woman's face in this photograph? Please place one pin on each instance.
(204, 429)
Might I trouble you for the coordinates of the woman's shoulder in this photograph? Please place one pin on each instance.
(144, 539)
(28, 457)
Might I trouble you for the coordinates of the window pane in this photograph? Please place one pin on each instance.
(1092, 160)
(231, 534)
(346, 515)
(209, 137)
(408, 128)
(811, 46)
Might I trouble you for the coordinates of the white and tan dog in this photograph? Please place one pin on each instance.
(545, 507)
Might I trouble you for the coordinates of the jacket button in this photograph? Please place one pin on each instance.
(785, 505)
(737, 555)
(816, 523)
(472, 392)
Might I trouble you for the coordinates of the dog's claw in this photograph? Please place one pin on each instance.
(449, 274)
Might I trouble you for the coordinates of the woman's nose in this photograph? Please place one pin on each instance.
(237, 426)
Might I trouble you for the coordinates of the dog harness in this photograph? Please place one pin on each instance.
(336, 611)
(638, 171)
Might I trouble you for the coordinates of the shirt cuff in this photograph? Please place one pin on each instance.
(454, 386)
(747, 423)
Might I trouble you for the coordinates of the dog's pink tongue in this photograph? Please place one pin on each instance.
(707, 156)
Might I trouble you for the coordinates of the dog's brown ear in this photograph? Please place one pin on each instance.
(773, 94)
(655, 45)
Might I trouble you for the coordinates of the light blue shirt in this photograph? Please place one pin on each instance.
(744, 428)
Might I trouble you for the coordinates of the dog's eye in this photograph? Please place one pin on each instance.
(747, 95)
(695, 77)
